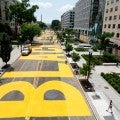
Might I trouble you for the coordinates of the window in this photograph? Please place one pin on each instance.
(118, 35)
(118, 26)
(110, 18)
(112, 1)
(111, 9)
(107, 2)
(105, 26)
(115, 17)
(106, 10)
(117, 0)
(116, 8)
(119, 17)
(113, 26)
(105, 18)
(109, 26)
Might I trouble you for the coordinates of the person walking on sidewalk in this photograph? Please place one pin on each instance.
(110, 107)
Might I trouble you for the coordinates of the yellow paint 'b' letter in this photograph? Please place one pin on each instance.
(34, 104)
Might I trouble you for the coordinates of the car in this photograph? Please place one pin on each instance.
(25, 51)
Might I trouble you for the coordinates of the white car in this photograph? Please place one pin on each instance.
(25, 51)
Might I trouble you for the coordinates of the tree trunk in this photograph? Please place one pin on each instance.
(16, 29)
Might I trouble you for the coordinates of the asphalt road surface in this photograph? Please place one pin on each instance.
(27, 65)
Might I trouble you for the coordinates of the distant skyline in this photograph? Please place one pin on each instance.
(52, 9)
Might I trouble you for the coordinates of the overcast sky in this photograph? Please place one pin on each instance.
(52, 9)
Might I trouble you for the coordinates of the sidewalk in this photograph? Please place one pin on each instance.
(104, 92)
(14, 55)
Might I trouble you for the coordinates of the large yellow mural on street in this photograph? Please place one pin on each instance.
(34, 104)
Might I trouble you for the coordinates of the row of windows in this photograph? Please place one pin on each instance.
(12, 24)
(111, 9)
(112, 26)
(115, 17)
(117, 35)
(112, 1)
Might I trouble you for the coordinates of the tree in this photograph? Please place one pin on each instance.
(68, 48)
(6, 47)
(104, 40)
(42, 25)
(85, 69)
(5, 28)
(69, 31)
(56, 25)
(21, 12)
(75, 57)
(28, 31)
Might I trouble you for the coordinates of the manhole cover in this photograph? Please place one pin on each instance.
(106, 87)
(96, 97)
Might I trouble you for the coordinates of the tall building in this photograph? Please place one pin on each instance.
(112, 23)
(88, 18)
(4, 4)
(67, 19)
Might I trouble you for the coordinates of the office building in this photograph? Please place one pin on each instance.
(112, 23)
(67, 19)
(4, 18)
(88, 18)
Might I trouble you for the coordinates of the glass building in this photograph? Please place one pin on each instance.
(89, 18)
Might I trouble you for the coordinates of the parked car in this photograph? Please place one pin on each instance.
(25, 51)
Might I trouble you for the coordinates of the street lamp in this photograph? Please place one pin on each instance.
(89, 63)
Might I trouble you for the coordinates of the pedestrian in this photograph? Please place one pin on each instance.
(117, 64)
(110, 107)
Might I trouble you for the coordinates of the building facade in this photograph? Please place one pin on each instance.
(4, 18)
(112, 23)
(88, 18)
(67, 19)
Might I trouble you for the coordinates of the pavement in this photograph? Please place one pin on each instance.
(14, 56)
(104, 92)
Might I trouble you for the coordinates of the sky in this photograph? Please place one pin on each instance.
(52, 9)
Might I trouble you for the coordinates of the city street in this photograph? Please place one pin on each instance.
(41, 86)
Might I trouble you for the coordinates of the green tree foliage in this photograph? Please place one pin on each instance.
(104, 40)
(68, 48)
(5, 28)
(75, 57)
(5, 48)
(56, 25)
(85, 69)
(22, 12)
(69, 31)
(42, 25)
(28, 31)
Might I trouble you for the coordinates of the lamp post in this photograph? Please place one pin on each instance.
(89, 63)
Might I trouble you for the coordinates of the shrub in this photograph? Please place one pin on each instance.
(75, 57)
(81, 49)
(107, 56)
(113, 79)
